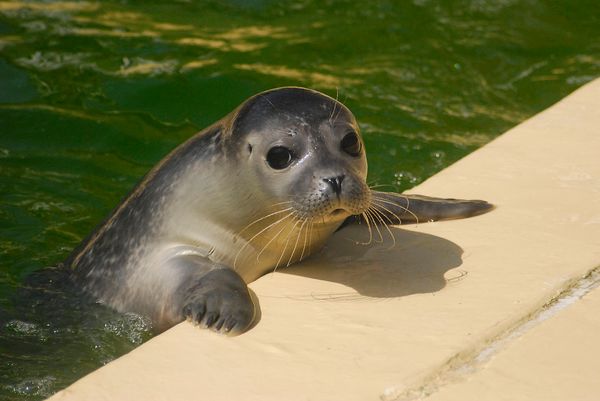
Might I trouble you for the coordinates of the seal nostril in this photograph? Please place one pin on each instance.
(335, 183)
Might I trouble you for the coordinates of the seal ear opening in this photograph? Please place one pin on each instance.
(249, 148)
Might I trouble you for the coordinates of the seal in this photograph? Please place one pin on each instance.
(263, 187)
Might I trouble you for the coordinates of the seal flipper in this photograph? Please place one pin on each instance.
(211, 295)
(394, 208)
(397, 208)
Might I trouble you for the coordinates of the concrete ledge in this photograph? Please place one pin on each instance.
(555, 361)
(370, 323)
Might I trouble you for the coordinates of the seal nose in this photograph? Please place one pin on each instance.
(335, 183)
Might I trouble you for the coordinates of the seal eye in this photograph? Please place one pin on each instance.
(351, 144)
(279, 157)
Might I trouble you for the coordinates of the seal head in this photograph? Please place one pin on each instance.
(303, 153)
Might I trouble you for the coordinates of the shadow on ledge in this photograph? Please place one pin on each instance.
(416, 264)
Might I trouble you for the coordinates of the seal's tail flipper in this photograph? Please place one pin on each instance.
(395, 208)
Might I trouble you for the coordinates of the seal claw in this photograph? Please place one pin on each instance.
(229, 325)
(220, 301)
(210, 319)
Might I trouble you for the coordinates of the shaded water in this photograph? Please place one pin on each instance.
(92, 94)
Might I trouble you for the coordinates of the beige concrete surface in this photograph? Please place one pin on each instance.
(372, 323)
(558, 360)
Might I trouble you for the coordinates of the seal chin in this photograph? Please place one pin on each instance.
(332, 210)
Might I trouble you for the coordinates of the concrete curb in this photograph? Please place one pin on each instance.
(372, 323)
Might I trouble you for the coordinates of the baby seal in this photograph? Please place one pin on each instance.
(264, 187)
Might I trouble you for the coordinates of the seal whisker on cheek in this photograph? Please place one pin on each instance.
(296, 244)
(271, 240)
(281, 203)
(262, 218)
(287, 241)
(256, 235)
(310, 232)
(308, 221)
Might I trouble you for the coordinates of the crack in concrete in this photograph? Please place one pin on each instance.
(465, 363)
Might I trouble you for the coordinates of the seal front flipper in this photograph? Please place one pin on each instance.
(212, 296)
(394, 208)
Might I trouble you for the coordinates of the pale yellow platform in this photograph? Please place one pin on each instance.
(450, 312)
(557, 361)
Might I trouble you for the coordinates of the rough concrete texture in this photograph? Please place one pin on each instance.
(450, 311)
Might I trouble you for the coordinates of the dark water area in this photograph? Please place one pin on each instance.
(92, 94)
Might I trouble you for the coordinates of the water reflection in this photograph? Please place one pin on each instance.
(313, 78)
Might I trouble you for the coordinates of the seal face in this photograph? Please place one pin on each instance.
(304, 155)
(262, 188)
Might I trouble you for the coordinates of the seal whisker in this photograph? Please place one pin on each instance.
(281, 203)
(373, 186)
(379, 215)
(379, 232)
(366, 217)
(339, 109)
(296, 244)
(264, 248)
(337, 94)
(270, 102)
(305, 238)
(378, 204)
(256, 235)
(308, 227)
(405, 208)
(392, 203)
(262, 218)
(370, 213)
(310, 233)
(374, 224)
(375, 207)
(287, 241)
(370, 224)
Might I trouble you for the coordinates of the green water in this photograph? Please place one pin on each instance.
(92, 94)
